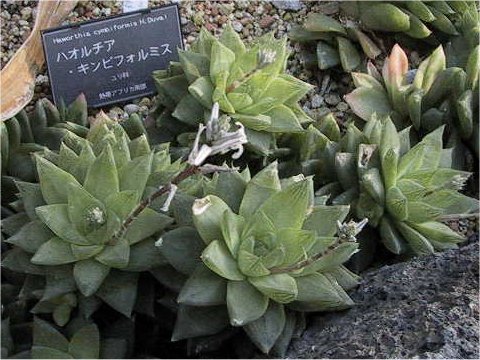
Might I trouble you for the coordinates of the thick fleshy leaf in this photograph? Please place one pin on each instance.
(203, 288)
(384, 17)
(115, 255)
(122, 203)
(259, 189)
(19, 261)
(295, 243)
(43, 352)
(452, 202)
(316, 292)
(298, 197)
(265, 331)
(32, 197)
(193, 321)
(89, 275)
(281, 288)
(438, 232)
(202, 90)
(82, 252)
(345, 278)
(242, 312)
(59, 281)
(85, 343)
(232, 227)
(436, 64)
(349, 56)
(134, 175)
(145, 256)
(54, 252)
(392, 240)
(230, 187)
(327, 56)
(54, 182)
(221, 59)
(218, 259)
(232, 40)
(366, 101)
(182, 248)
(283, 120)
(194, 65)
(146, 224)
(207, 217)
(31, 236)
(417, 241)
(323, 219)
(57, 219)
(332, 258)
(47, 336)
(322, 23)
(249, 263)
(102, 178)
(396, 203)
(119, 290)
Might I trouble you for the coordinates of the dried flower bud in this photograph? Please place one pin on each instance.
(348, 231)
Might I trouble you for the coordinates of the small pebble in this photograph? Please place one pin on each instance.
(237, 26)
(131, 108)
(332, 99)
(342, 106)
(317, 101)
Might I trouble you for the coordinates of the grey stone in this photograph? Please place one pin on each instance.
(287, 4)
(425, 308)
(332, 99)
(237, 26)
(317, 101)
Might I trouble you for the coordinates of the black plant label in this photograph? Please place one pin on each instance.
(111, 60)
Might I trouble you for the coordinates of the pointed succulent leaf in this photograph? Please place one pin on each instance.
(318, 22)
(349, 56)
(218, 259)
(392, 240)
(115, 255)
(146, 224)
(207, 217)
(316, 292)
(332, 259)
(82, 252)
(296, 243)
(102, 178)
(54, 182)
(193, 321)
(89, 275)
(143, 258)
(85, 343)
(182, 248)
(203, 288)
(472, 69)
(54, 252)
(202, 90)
(251, 264)
(123, 202)
(367, 101)
(327, 56)
(384, 17)
(265, 331)
(281, 288)
(31, 236)
(436, 64)
(31, 196)
(232, 40)
(452, 202)
(259, 189)
(242, 312)
(43, 352)
(434, 230)
(134, 175)
(232, 227)
(298, 196)
(57, 219)
(323, 219)
(47, 336)
(119, 290)
(416, 240)
(283, 120)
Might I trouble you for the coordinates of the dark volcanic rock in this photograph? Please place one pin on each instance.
(425, 308)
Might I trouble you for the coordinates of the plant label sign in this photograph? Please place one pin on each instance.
(111, 60)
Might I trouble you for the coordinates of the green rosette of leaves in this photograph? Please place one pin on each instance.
(405, 191)
(258, 254)
(249, 83)
(75, 231)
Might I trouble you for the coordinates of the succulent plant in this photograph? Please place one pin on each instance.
(77, 231)
(405, 191)
(42, 129)
(249, 83)
(414, 18)
(336, 43)
(433, 96)
(259, 252)
(433, 21)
